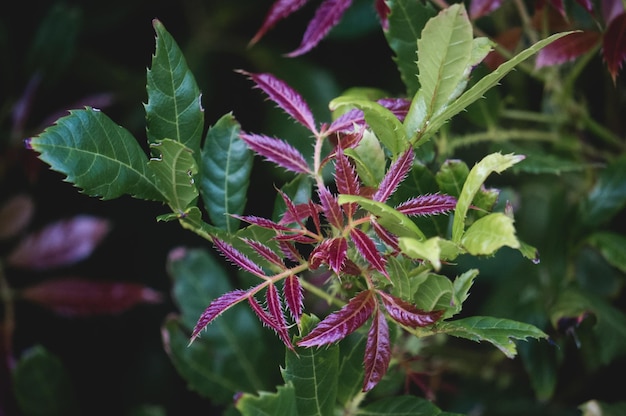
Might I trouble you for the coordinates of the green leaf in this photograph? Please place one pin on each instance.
(369, 158)
(391, 219)
(174, 169)
(433, 292)
(434, 249)
(220, 362)
(42, 385)
(451, 177)
(173, 110)
(402, 406)
(462, 284)
(479, 89)
(499, 332)
(313, 373)
(283, 402)
(97, 155)
(406, 19)
(445, 52)
(607, 197)
(225, 175)
(381, 120)
(490, 233)
(351, 353)
(494, 162)
(611, 246)
(298, 190)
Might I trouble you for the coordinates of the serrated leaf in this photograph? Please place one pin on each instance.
(343, 322)
(313, 373)
(275, 308)
(488, 234)
(369, 158)
(494, 162)
(42, 385)
(174, 169)
(280, 9)
(277, 151)
(613, 45)
(97, 155)
(406, 20)
(225, 173)
(394, 221)
(327, 15)
(173, 110)
(462, 284)
(497, 331)
(352, 350)
(611, 246)
(377, 351)
(406, 313)
(217, 307)
(61, 243)
(402, 406)
(397, 172)
(283, 402)
(294, 296)
(367, 248)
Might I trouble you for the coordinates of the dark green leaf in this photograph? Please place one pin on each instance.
(351, 352)
(173, 110)
(97, 155)
(42, 386)
(611, 246)
(402, 406)
(283, 402)
(607, 197)
(226, 167)
(451, 177)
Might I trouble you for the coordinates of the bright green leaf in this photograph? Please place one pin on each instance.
(283, 402)
(462, 284)
(97, 155)
(434, 249)
(174, 169)
(369, 159)
(42, 385)
(173, 110)
(499, 332)
(433, 292)
(225, 174)
(488, 234)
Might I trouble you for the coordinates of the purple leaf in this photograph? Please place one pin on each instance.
(587, 5)
(428, 205)
(346, 179)
(611, 9)
(279, 10)
(407, 314)
(398, 170)
(268, 320)
(277, 151)
(398, 106)
(238, 258)
(331, 252)
(567, 48)
(263, 223)
(343, 322)
(377, 351)
(368, 250)
(265, 252)
(331, 208)
(383, 10)
(293, 294)
(614, 45)
(275, 307)
(59, 244)
(479, 8)
(290, 251)
(286, 97)
(216, 308)
(76, 297)
(388, 238)
(326, 17)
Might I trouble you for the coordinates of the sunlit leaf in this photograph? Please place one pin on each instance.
(275, 308)
(488, 234)
(61, 243)
(332, 210)
(608, 195)
(238, 258)
(369, 159)
(280, 9)
(428, 205)
(377, 351)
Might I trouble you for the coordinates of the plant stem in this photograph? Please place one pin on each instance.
(8, 324)
(320, 293)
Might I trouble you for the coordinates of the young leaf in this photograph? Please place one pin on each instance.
(279, 10)
(266, 253)
(283, 402)
(61, 243)
(275, 308)
(173, 110)
(277, 151)
(397, 172)
(494, 162)
(267, 319)
(332, 210)
(97, 155)
(568, 48)
(343, 322)
(406, 313)
(613, 45)
(326, 17)
(76, 297)
(367, 248)
(488, 234)
(225, 173)
(285, 97)
(293, 294)
(499, 332)
(216, 308)
(377, 351)
(428, 205)
(174, 169)
(238, 258)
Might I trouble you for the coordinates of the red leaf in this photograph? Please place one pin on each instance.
(264, 223)
(383, 10)
(428, 205)
(268, 320)
(407, 314)
(15, 215)
(266, 252)
(479, 8)
(332, 252)
(398, 170)
(377, 351)
(567, 48)
(388, 238)
(277, 151)
(76, 297)
(614, 45)
(326, 17)
(279, 10)
(332, 210)
(238, 258)
(286, 97)
(275, 308)
(59, 244)
(290, 251)
(216, 308)
(368, 250)
(345, 175)
(611, 9)
(293, 294)
(342, 323)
